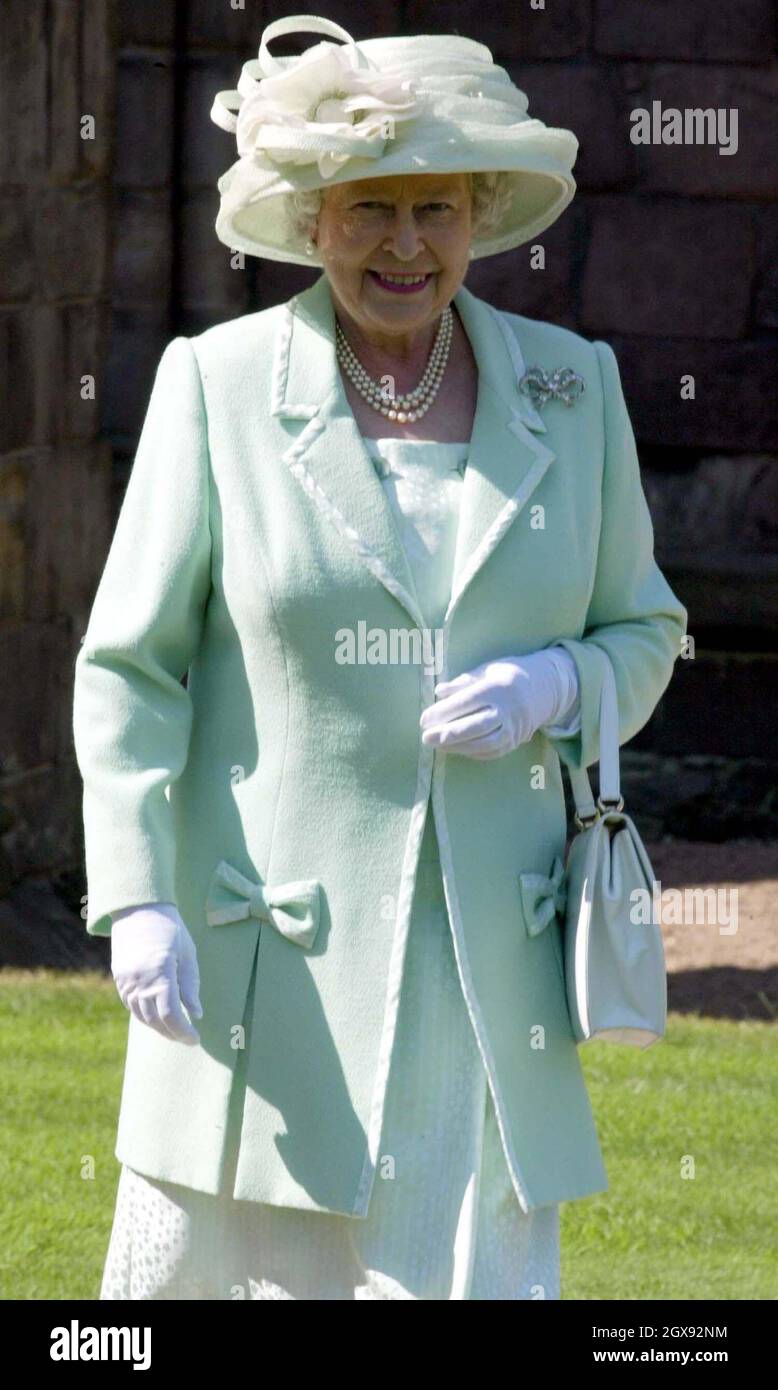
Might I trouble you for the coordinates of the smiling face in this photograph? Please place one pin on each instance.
(395, 249)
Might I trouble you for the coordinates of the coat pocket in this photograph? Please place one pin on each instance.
(542, 899)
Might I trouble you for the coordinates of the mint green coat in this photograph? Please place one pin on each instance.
(279, 797)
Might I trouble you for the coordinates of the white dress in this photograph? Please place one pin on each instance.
(444, 1221)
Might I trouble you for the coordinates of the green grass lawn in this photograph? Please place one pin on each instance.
(706, 1097)
(689, 1131)
(62, 1042)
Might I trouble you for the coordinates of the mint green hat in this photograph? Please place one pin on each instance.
(343, 111)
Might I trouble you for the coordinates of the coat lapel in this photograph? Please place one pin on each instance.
(328, 457)
(506, 460)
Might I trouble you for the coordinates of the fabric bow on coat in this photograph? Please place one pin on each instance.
(542, 896)
(293, 908)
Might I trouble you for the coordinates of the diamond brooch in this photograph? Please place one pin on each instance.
(563, 384)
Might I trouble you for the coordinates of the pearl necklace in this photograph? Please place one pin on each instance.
(412, 404)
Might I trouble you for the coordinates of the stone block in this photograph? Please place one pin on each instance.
(142, 247)
(14, 487)
(766, 289)
(16, 222)
(146, 22)
(738, 597)
(43, 808)
(70, 344)
(219, 25)
(222, 25)
(17, 378)
(508, 280)
(722, 703)
(655, 268)
(730, 581)
(72, 241)
(24, 75)
(736, 406)
(207, 150)
(36, 658)
(98, 82)
(693, 32)
(207, 281)
(64, 98)
(276, 282)
(40, 919)
(589, 101)
(144, 121)
(63, 562)
(731, 499)
(699, 170)
(560, 30)
(137, 340)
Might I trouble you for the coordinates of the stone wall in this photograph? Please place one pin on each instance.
(108, 251)
(57, 65)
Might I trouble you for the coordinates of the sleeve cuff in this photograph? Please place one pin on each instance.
(567, 719)
(581, 748)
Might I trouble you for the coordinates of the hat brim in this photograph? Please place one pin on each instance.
(537, 158)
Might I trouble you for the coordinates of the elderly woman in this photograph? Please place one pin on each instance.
(391, 537)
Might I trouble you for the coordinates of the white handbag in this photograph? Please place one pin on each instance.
(615, 974)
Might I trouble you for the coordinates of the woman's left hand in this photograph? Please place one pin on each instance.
(489, 711)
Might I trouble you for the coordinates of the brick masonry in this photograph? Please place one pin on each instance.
(107, 246)
(57, 65)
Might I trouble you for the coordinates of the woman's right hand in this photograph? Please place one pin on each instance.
(154, 965)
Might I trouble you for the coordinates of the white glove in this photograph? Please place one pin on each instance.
(489, 711)
(154, 965)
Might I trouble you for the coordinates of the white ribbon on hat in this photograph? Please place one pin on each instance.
(305, 24)
(268, 124)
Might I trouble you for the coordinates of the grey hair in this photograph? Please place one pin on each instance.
(490, 192)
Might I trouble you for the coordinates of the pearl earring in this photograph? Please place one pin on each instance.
(309, 247)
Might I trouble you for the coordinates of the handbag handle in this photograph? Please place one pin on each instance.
(610, 797)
